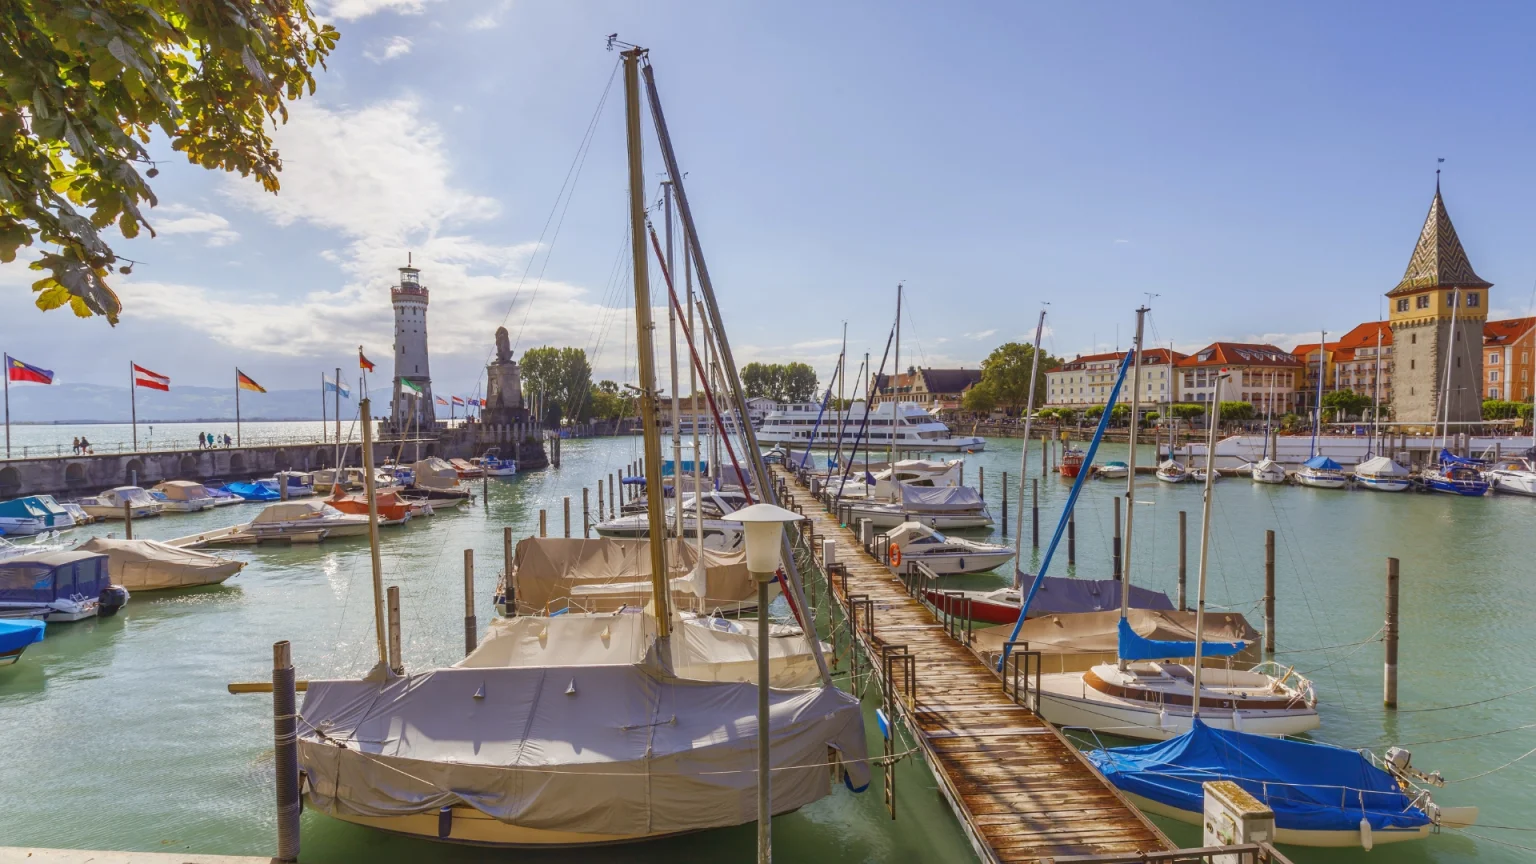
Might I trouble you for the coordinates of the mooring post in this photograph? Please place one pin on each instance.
(1072, 537)
(543, 523)
(471, 626)
(285, 740)
(1183, 562)
(128, 519)
(1034, 510)
(567, 506)
(1269, 591)
(1389, 636)
(1005, 503)
(600, 516)
(613, 509)
(1045, 455)
(981, 480)
(485, 490)
(1114, 555)
(393, 602)
(506, 564)
(586, 515)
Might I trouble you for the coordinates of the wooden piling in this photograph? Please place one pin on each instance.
(1034, 511)
(393, 604)
(613, 509)
(600, 516)
(506, 563)
(1114, 555)
(471, 626)
(567, 506)
(485, 490)
(981, 481)
(1183, 563)
(1269, 591)
(128, 520)
(1072, 537)
(1389, 636)
(285, 722)
(586, 515)
(543, 523)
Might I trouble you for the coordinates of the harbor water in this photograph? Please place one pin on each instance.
(120, 734)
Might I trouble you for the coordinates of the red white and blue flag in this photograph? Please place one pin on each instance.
(439, 400)
(153, 380)
(15, 370)
(458, 400)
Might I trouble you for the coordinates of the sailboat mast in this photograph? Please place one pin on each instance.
(1376, 397)
(1130, 475)
(677, 418)
(1205, 534)
(842, 378)
(895, 392)
(660, 588)
(1445, 399)
(364, 410)
(1029, 417)
(693, 406)
(1322, 370)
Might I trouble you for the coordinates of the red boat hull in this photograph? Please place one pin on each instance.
(988, 611)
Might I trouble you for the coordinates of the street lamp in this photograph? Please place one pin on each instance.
(764, 526)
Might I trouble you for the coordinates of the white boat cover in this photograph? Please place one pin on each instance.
(907, 532)
(292, 511)
(1381, 466)
(604, 574)
(149, 565)
(936, 499)
(126, 495)
(183, 490)
(702, 649)
(621, 751)
(434, 473)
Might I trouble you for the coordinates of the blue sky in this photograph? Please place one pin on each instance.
(1264, 169)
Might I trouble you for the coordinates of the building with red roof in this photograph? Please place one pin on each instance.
(1507, 352)
(1263, 375)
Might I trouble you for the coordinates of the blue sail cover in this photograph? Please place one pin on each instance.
(1134, 646)
(1311, 787)
(1323, 463)
(1449, 458)
(253, 491)
(17, 634)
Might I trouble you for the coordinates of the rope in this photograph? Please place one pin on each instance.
(1374, 637)
(1493, 770)
(1470, 704)
(1470, 737)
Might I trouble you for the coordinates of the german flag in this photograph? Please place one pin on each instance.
(244, 382)
(362, 361)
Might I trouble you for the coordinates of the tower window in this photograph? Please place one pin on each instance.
(1472, 300)
(1402, 304)
(1413, 338)
(1422, 301)
(1411, 363)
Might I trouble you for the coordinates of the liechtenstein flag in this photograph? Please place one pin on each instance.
(15, 370)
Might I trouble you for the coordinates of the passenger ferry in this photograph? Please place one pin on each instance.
(792, 424)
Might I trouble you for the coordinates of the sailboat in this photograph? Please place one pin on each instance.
(573, 730)
(1319, 471)
(1146, 695)
(1267, 470)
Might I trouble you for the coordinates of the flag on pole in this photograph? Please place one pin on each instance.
(458, 400)
(337, 387)
(410, 386)
(153, 380)
(245, 382)
(363, 362)
(440, 400)
(15, 370)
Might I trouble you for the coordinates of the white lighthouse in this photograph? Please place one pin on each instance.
(410, 301)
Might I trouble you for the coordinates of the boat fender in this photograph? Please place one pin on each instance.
(1162, 718)
(885, 723)
(895, 555)
(1366, 841)
(1237, 721)
(444, 822)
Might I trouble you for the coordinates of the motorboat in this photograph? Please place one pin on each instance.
(48, 542)
(1172, 471)
(300, 484)
(77, 513)
(1515, 476)
(720, 534)
(1321, 795)
(1457, 475)
(942, 507)
(1112, 471)
(34, 514)
(391, 507)
(290, 517)
(252, 492)
(1320, 472)
(149, 565)
(18, 633)
(943, 555)
(112, 504)
(182, 496)
(466, 470)
(493, 465)
(1381, 474)
(1057, 595)
(1197, 474)
(1267, 471)
(884, 483)
(221, 497)
(1071, 462)
(63, 585)
(438, 482)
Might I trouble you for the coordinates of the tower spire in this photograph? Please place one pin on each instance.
(1438, 259)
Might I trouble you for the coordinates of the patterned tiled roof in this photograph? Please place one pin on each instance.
(1438, 260)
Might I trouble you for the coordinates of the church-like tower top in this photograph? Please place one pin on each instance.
(1438, 260)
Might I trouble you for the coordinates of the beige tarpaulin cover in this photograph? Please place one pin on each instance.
(183, 490)
(607, 750)
(292, 511)
(148, 565)
(606, 573)
(434, 473)
(1074, 642)
(702, 648)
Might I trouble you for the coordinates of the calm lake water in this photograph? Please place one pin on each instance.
(119, 733)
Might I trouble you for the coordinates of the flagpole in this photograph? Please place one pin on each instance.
(338, 416)
(133, 403)
(7, 406)
(323, 418)
(237, 406)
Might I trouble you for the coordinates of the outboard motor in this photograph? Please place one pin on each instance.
(111, 599)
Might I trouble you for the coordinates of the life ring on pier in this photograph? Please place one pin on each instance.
(894, 554)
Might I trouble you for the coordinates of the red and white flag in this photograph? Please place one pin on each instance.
(458, 400)
(153, 380)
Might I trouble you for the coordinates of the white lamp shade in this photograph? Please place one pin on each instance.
(763, 544)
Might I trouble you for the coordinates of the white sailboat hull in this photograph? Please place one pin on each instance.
(1321, 481)
(1066, 704)
(1384, 484)
(954, 563)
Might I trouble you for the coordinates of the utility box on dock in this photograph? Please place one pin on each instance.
(828, 555)
(866, 533)
(1232, 817)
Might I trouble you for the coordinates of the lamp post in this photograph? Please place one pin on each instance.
(764, 526)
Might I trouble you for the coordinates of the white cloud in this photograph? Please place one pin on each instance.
(1119, 241)
(490, 20)
(351, 10)
(980, 334)
(394, 46)
(187, 220)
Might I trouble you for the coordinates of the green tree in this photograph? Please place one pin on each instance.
(1065, 415)
(1499, 409)
(1237, 411)
(1186, 410)
(563, 376)
(1121, 413)
(781, 382)
(1291, 422)
(608, 403)
(978, 399)
(1006, 373)
(798, 381)
(1093, 412)
(86, 82)
(1346, 403)
(1152, 416)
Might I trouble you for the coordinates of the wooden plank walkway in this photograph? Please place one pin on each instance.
(1022, 792)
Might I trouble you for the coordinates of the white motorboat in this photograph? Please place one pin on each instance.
(1514, 476)
(34, 514)
(911, 472)
(291, 517)
(1382, 475)
(941, 507)
(77, 513)
(1172, 471)
(1320, 472)
(911, 429)
(914, 541)
(300, 484)
(1112, 471)
(720, 535)
(1267, 471)
(61, 585)
(495, 466)
(1198, 474)
(182, 496)
(48, 542)
(112, 503)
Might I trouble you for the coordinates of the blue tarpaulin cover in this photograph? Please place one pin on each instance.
(253, 491)
(1134, 646)
(19, 633)
(1311, 787)
(1449, 458)
(1323, 463)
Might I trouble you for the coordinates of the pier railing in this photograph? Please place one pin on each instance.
(1241, 853)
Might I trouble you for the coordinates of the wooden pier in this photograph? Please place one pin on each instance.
(1022, 792)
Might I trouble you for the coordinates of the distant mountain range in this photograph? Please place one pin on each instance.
(98, 403)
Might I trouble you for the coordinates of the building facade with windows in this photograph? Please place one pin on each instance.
(1364, 360)
(1085, 381)
(1507, 359)
(1264, 376)
(934, 389)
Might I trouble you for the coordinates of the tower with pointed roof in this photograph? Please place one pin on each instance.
(1437, 316)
